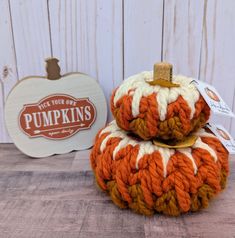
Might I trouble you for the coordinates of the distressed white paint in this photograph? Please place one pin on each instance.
(142, 35)
(182, 35)
(3, 133)
(87, 37)
(217, 62)
(95, 36)
(8, 74)
(32, 90)
(31, 34)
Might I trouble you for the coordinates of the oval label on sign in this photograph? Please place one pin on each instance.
(57, 116)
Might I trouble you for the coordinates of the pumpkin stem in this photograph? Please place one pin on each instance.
(52, 69)
(162, 75)
(162, 70)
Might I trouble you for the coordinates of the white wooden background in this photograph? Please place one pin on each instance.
(113, 39)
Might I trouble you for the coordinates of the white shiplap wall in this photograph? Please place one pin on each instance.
(87, 36)
(8, 68)
(113, 39)
(142, 31)
(217, 53)
(183, 23)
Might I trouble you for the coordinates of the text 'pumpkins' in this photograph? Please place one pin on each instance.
(55, 114)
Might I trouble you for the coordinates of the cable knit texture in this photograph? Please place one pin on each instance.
(148, 179)
(152, 111)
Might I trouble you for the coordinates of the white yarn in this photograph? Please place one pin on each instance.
(137, 86)
(147, 147)
(202, 145)
(188, 153)
(166, 155)
(111, 135)
(203, 133)
(122, 144)
(112, 127)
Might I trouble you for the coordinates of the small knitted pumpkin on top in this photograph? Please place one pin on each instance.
(151, 177)
(159, 105)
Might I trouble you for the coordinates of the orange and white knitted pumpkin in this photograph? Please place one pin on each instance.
(149, 106)
(148, 178)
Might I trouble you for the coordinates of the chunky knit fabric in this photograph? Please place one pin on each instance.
(158, 112)
(146, 178)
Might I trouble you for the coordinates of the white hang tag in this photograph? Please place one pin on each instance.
(213, 99)
(222, 134)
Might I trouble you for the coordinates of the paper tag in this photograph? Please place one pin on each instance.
(213, 99)
(223, 135)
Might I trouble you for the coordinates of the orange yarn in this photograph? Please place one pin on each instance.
(146, 190)
(147, 124)
(146, 177)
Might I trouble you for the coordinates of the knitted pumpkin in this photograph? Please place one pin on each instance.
(148, 178)
(159, 105)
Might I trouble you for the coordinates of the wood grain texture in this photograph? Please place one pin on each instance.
(8, 72)
(77, 131)
(232, 125)
(87, 37)
(112, 39)
(3, 132)
(142, 35)
(32, 37)
(182, 35)
(55, 197)
(217, 60)
(11, 159)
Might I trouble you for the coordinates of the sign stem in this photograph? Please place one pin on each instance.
(52, 69)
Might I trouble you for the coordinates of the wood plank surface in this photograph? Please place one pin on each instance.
(113, 39)
(87, 37)
(217, 60)
(30, 25)
(58, 197)
(182, 33)
(11, 159)
(3, 132)
(8, 71)
(142, 35)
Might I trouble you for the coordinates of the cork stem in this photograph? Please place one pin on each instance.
(162, 71)
(162, 76)
(52, 69)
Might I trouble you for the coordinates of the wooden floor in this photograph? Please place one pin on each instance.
(57, 197)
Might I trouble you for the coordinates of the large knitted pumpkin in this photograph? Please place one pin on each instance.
(152, 107)
(147, 178)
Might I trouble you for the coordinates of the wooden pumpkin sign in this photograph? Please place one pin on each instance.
(55, 114)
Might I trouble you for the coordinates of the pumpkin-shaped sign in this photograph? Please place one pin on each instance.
(55, 114)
